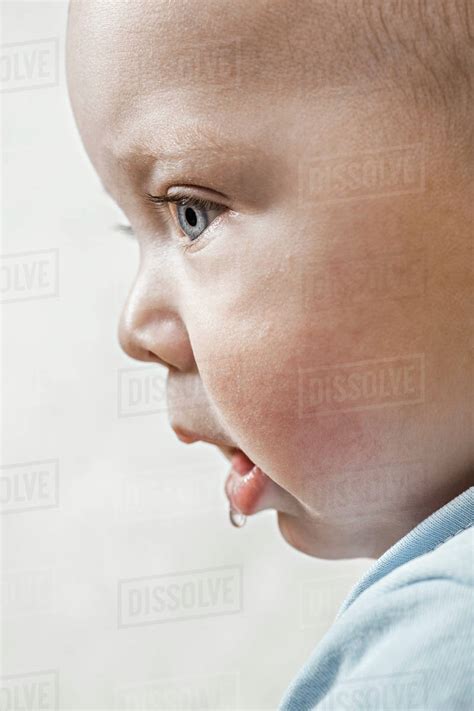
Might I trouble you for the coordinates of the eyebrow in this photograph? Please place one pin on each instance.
(194, 154)
(181, 143)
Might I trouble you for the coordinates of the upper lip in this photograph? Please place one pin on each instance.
(189, 437)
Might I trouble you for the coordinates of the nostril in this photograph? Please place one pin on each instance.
(155, 358)
(151, 355)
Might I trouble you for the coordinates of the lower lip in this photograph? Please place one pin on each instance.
(249, 489)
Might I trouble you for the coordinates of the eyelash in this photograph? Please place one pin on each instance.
(183, 199)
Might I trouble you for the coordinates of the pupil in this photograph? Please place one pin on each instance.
(191, 216)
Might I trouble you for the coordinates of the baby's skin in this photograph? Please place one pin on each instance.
(315, 311)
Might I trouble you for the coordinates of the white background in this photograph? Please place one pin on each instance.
(128, 501)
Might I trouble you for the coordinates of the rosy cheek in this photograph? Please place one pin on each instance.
(264, 392)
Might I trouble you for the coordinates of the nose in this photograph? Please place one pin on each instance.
(150, 328)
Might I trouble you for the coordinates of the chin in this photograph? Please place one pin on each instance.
(290, 528)
(306, 537)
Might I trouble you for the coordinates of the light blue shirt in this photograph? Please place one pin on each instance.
(403, 637)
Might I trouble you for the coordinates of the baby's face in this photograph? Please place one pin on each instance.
(291, 309)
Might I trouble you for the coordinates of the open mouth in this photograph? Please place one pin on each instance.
(248, 488)
(245, 484)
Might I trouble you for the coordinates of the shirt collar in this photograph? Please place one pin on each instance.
(444, 523)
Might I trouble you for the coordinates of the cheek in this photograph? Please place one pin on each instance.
(243, 313)
(274, 355)
(254, 340)
(262, 395)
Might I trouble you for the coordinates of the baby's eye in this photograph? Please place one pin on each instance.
(195, 215)
(192, 214)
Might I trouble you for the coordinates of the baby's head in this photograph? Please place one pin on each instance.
(313, 306)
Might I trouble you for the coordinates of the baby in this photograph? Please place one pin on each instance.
(298, 177)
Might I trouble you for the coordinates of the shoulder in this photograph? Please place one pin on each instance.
(420, 598)
(412, 632)
(452, 561)
(403, 643)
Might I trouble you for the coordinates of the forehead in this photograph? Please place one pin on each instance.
(149, 72)
(165, 59)
(180, 85)
(208, 56)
